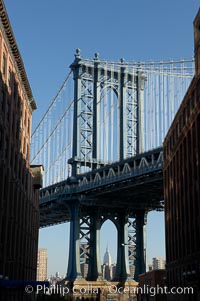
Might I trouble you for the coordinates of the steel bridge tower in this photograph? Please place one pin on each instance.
(101, 146)
(92, 81)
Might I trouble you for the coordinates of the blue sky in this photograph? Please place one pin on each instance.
(49, 31)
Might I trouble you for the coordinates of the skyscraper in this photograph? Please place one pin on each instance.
(42, 265)
(107, 258)
(158, 263)
(107, 267)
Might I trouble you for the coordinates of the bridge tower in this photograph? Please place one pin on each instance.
(95, 83)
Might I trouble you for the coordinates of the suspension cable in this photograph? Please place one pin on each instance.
(52, 103)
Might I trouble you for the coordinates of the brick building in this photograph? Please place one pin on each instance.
(182, 188)
(152, 286)
(19, 214)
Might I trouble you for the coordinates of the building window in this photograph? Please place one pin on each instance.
(181, 122)
(28, 153)
(10, 77)
(1, 139)
(18, 105)
(188, 110)
(17, 129)
(25, 119)
(2, 99)
(19, 171)
(15, 90)
(29, 127)
(184, 117)
(21, 111)
(4, 63)
(12, 157)
(24, 147)
(7, 149)
(13, 123)
(192, 101)
(16, 163)
(198, 91)
(172, 140)
(8, 111)
(176, 132)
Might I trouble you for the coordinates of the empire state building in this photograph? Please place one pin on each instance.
(107, 258)
(107, 268)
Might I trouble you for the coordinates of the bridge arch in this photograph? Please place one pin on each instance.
(112, 219)
(109, 119)
(107, 87)
(108, 248)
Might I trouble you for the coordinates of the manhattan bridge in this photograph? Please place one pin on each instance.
(100, 142)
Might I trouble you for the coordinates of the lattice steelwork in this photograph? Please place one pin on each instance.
(85, 119)
(108, 111)
(131, 111)
(115, 111)
(132, 241)
(85, 229)
(105, 113)
(136, 236)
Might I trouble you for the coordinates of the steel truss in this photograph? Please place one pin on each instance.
(110, 96)
(85, 226)
(93, 82)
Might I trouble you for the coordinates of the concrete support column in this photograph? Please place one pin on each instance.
(94, 271)
(122, 267)
(74, 271)
(140, 262)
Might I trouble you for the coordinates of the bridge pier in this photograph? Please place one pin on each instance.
(74, 271)
(140, 262)
(122, 272)
(122, 267)
(94, 270)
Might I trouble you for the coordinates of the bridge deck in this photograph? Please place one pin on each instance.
(132, 184)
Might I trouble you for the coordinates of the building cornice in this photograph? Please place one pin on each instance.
(16, 54)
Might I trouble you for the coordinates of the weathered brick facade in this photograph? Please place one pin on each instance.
(182, 188)
(19, 212)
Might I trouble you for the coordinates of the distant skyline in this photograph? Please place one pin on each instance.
(48, 32)
(56, 239)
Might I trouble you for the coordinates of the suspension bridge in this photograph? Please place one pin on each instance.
(100, 142)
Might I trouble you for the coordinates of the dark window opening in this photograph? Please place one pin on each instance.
(4, 63)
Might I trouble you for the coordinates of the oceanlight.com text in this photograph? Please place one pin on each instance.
(109, 289)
